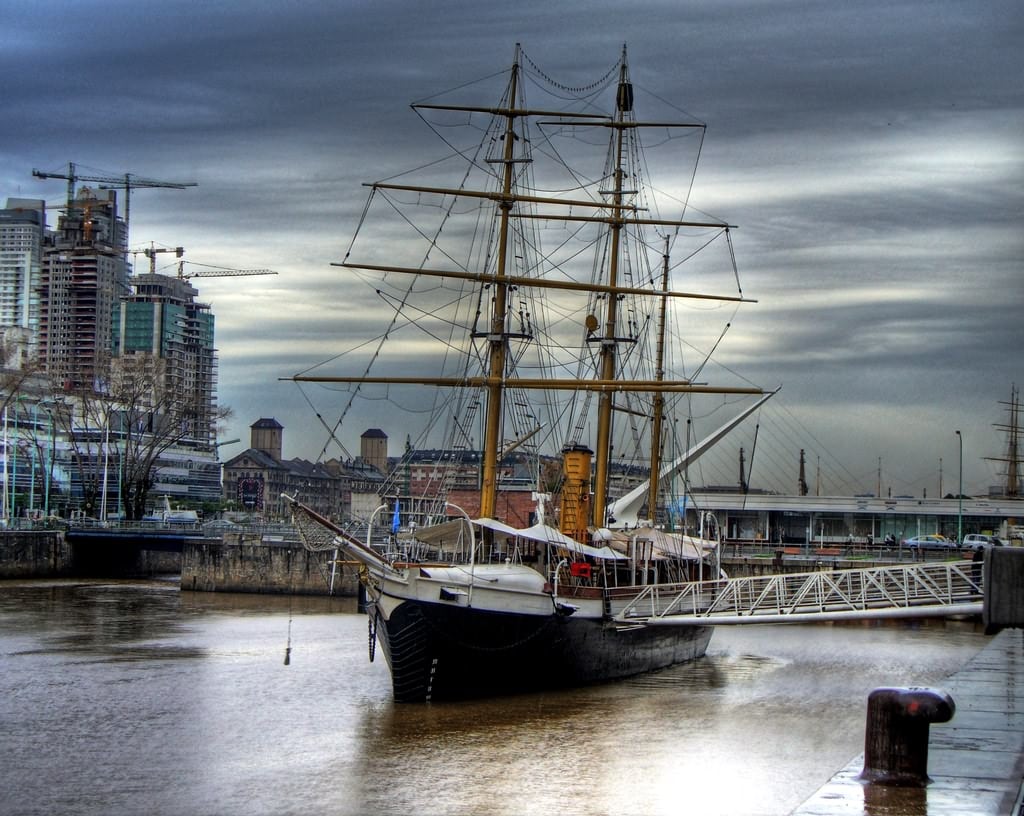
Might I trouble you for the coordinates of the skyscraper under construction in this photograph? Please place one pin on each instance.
(84, 273)
(67, 299)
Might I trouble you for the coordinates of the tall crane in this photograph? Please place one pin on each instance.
(207, 271)
(126, 182)
(152, 251)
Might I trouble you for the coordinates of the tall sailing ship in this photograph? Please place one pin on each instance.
(469, 604)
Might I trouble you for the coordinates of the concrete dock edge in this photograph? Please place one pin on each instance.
(975, 761)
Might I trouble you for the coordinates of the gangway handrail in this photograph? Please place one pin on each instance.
(929, 589)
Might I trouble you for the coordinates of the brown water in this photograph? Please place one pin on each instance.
(122, 697)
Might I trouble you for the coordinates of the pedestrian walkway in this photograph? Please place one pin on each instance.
(893, 591)
(975, 761)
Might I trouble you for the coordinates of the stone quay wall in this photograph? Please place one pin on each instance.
(243, 563)
(31, 554)
(28, 554)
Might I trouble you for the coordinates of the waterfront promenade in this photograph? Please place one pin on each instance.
(975, 761)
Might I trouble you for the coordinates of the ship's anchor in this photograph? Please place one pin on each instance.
(371, 623)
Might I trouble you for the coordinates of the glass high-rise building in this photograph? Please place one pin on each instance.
(162, 318)
(22, 228)
(162, 321)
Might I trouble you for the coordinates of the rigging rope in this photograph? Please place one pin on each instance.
(578, 90)
(750, 469)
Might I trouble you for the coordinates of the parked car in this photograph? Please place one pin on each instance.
(977, 541)
(929, 542)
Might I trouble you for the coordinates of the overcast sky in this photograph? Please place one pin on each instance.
(871, 154)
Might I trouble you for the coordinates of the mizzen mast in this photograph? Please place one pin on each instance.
(659, 397)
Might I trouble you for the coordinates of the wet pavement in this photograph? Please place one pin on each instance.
(975, 761)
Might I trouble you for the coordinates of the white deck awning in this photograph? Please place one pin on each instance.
(549, 535)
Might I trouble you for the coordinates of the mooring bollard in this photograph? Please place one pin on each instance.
(896, 740)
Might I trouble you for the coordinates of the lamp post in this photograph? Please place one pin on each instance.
(13, 505)
(35, 452)
(106, 446)
(49, 468)
(34, 464)
(960, 494)
(7, 456)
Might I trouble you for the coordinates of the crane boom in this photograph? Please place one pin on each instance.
(210, 271)
(152, 251)
(226, 273)
(126, 181)
(207, 271)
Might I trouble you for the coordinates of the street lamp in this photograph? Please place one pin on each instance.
(960, 494)
(49, 468)
(13, 505)
(7, 456)
(36, 450)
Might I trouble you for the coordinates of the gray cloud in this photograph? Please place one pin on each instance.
(870, 154)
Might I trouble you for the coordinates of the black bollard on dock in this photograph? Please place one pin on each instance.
(896, 739)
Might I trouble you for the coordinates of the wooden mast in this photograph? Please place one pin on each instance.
(497, 338)
(616, 213)
(608, 355)
(659, 396)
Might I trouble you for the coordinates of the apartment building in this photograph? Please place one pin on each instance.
(22, 229)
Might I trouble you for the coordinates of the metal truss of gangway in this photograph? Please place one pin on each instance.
(905, 591)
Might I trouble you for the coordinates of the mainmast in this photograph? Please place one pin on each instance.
(498, 339)
(608, 355)
(1013, 456)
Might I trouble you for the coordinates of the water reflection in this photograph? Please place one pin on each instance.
(135, 697)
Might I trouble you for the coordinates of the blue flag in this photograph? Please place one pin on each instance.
(395, 519)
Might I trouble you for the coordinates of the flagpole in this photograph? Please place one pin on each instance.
(103, 502)
(6, 505)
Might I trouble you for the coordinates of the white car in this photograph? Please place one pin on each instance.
(980, 542)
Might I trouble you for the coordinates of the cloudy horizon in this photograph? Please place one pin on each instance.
(871, 156)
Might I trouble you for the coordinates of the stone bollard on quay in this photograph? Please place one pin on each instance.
(896, 739)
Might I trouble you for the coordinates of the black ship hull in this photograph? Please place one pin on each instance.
(438, 652)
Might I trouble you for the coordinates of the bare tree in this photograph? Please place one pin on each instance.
(123, 427)
(16, 367)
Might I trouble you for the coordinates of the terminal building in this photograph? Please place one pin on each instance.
(777, 519)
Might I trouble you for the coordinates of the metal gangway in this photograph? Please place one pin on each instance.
(939, 589)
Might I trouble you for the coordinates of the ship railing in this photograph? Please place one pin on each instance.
(933, 589)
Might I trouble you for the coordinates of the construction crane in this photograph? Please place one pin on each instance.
(126, 182)
(207, 271)
(152, 251)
